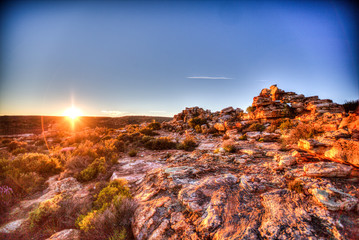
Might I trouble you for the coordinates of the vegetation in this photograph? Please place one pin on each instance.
(351, 106)
(110, 215)
(188, 144)
(250, 109)
(255, 127)
(160, 143)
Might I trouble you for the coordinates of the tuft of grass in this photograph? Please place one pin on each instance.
(296, 185)
(256, 127)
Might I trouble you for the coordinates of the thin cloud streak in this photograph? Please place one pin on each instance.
(206, 77)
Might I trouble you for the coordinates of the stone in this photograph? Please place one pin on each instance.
(67, 234)
(13, 226)
(253, 135)
(312, 146)
(345, 151)
(220, 127)
(334, 199)
(327, 169)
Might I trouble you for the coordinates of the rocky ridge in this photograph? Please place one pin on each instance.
(251, 176)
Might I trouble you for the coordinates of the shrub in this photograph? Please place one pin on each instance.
(86, 149)
(161, 143)
(188, 144)
(38, 163)
(351, 105)
(7, 198)
(287, 124)
(78, 163)
(132, 153)
(198, 129)
(112, 212)
(301, 131)
(93, 170)
(107, 195)
(148, 132)
(154, 126)
(229, 146)
(250, 109)
(256, 127)
(42, 213)
(15, 145)
(196, 121)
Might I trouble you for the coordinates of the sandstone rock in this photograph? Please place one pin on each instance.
(220, 127)
(334, 199)
(253, 135)
(13, 226)
(285, 160)
(67, 234)
(327, 169)
(345, 151)
(312, 146)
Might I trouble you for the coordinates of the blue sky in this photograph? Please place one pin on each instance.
(158, 57)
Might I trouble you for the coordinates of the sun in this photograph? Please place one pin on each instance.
(73, 113)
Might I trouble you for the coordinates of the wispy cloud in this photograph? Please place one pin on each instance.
(207, 77)
(114, 113)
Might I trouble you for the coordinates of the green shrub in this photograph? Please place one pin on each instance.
(15, 145)
(107, 195)
(188, 144)
(198, 129)
(38, 163)
(132, 153)
(113, 209)
(301, 131)
(161, 143)
(46, 208)
(93, 170)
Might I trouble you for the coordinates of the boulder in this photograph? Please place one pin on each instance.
(334, 199)
(345, 151)
(327, 169)
(67, 234)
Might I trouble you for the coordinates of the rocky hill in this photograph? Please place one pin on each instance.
(288, 169)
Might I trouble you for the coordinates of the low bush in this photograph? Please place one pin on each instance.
(13, 145)
(44, 211)
(7, 198)
(250, 109)
(256, 127)
(188, 144)
(93, 170)
(110, 217)
(148, 132)
(229, 146)
(132, 153)
(38, 163)
(161, 143)
(351, 106)
(154, 126)
(301, 131)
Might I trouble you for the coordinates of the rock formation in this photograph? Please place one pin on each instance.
(260, 175)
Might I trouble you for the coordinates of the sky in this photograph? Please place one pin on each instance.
(116, 58)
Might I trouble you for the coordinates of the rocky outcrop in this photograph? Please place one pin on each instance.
(275, 103)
